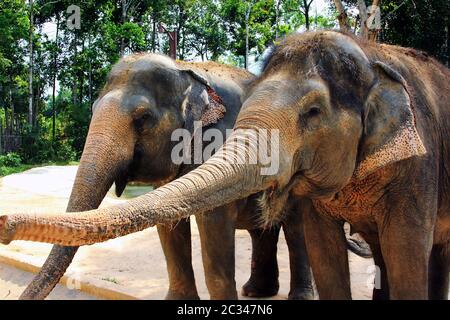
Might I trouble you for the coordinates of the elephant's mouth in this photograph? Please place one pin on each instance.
(272, 202)
(137, 171)
(120, 185)
(128, 172)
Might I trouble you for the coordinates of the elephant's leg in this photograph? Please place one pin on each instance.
(406, 250)
(217, 231)
(327, 251)
(176, 244)
(301, 283)
(439, 273)
(263, 280)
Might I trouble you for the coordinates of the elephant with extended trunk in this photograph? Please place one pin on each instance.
(147, 97)
(363, 134)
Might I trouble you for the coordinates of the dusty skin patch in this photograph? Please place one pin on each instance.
(136, 261)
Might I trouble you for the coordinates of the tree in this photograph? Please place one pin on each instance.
(54, 89)
(277, 17)
(418, 24)
(368, 30)
(260, 22)
(14, 28)
(305, 6)
(342, 16)
(248, 10)
(204, 34)
(31, 57)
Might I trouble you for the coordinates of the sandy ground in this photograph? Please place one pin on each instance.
(133, 264)
(14, 281)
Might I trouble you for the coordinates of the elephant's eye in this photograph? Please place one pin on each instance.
(314, 111)
(144, 121)
(310, 117)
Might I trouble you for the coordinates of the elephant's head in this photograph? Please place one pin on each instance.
(145, 99)
(339, 116)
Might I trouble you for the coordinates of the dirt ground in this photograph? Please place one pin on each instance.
(133, 264)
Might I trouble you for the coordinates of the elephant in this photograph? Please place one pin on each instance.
(362, 138)
(146, 98)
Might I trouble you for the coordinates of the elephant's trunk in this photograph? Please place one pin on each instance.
(103, 157)
(230, 174)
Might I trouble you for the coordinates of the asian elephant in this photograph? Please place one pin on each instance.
(146, 98)
(363, 137)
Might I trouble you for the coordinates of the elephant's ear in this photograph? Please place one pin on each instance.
(202, 102)
(390, 132)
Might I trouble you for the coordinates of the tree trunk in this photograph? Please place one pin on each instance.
(154, 32)
(183, 46)
(36, 101)
(363, 32)
(277, 13)
(11, 105)
(180, 33)
(80, 77)
(306, 6)
(373, 32)
(122, 21)
(30, 81)
(75, 53)
(342, 16)
(247, 18)
(55, 62)
(5, 109)
(90, 74)
(365, 16)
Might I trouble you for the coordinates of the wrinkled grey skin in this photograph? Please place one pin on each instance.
(146, 98)
(363, 138)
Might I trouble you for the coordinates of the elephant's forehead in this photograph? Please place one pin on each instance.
(149, 62)
(134, 64)
(284, 91)
(126, 101)
(345, 44)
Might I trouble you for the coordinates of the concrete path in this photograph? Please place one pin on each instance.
(14, 281)
(134, 264)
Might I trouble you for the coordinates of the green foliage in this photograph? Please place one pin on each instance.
(422, 25)
(10, 163)
(77, 62)
(11, 159)
(5, 171)
(39, 148)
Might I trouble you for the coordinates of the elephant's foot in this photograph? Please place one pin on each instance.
(357, 245)
(301, 294)
(177, 295)
(224, 295)
(260, 289)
